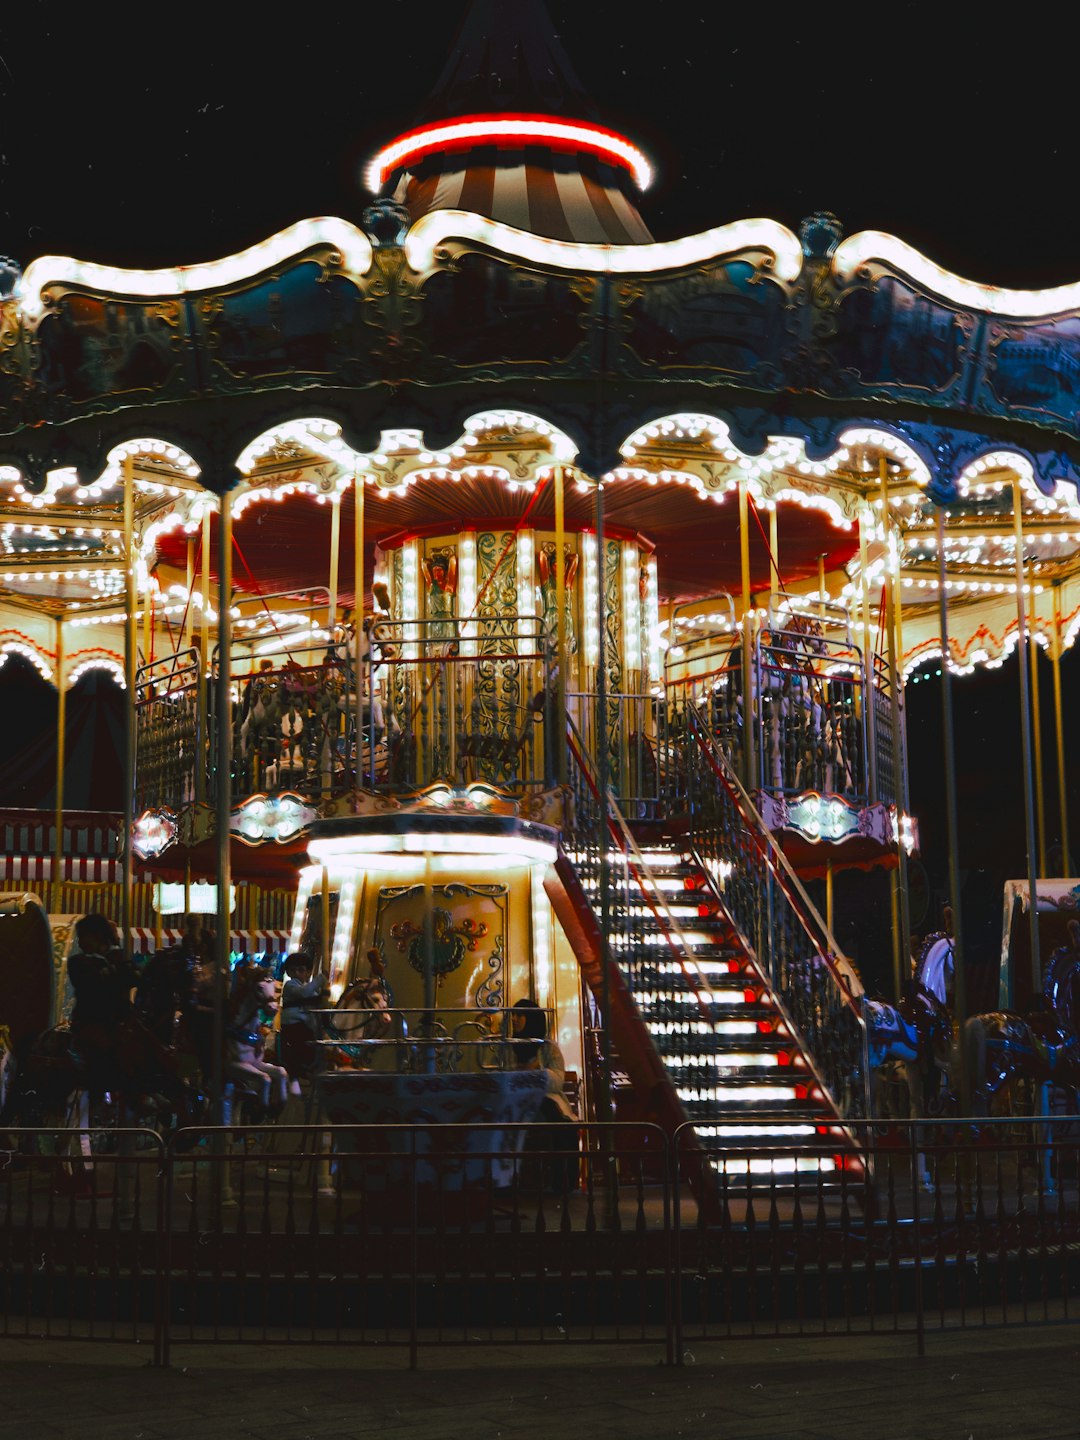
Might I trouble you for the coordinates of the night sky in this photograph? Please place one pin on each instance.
(148, 136)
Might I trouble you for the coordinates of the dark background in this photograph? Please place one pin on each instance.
(149, 135)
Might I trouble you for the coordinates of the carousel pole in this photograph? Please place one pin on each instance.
(774, 564)
(1059, 730)
(61, 737)
(189, 618)
(901, 951)
(868, 658)
(203, 752)
(324, 959)
(1036, 725)
(749, 736)
(223, 795)
(603, 839)
(952, 829)
(1025, 739)
(130, 657)
(335, 553)
(559, 738)
(358, 623)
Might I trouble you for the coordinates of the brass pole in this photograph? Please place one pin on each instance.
(821, 586)
(952, 829)
(901, 942)
(335, 552)
(559, 738)
(774, 561)
(1036, 725)
(324, 965)
(189, 619)
(1025, 740)
(61, 736)
(130, 657)
(202, 764)
(829, 896)
(749, 715)
(1059, 733)
(223, 792)
(358, 625)
(603, 769)
(868, 656)
(146, 624)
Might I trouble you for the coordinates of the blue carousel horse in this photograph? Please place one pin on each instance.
(916, 1035)
(1002, 1047)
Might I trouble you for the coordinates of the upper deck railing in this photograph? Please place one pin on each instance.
(429, 701)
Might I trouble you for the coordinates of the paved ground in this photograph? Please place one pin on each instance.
(1000, 1385)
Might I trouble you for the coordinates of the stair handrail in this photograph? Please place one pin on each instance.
(638, 866)
(837, 966)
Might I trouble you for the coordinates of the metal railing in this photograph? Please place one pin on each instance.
(170, 720)
(438, 1039)
(811, 716)
(813, 985)
(416, 1235)
(646, 940)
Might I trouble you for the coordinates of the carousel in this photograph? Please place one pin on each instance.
(535, 602)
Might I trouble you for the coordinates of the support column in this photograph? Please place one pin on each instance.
(902, 951)
(189, 617)
(358, 632)
(607, 1111)
(61, 736)
(1036, 726)
(223, 793)
(1025, 739)
(202, 766)
(335, 552)
(774, 562)
(952, 835)
(1059, 732)
(868, 658)
(558, 740)
(750, 773)
(130, 644)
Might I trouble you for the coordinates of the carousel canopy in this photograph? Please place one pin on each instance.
(510, 134)
(449, 358)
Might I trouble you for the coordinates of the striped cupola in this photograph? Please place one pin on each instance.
(510, 134)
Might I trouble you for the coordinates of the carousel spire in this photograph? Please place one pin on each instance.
(510, 133)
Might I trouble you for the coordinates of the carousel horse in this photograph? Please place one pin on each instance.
(246, 1068)
(49, 1083)
(1002, 1048)
(916, 1035)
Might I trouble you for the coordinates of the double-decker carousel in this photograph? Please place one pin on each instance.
(535, 602)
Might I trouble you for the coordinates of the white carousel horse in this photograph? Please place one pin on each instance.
(245, 1065)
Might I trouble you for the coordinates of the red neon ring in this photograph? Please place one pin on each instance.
(470, 130)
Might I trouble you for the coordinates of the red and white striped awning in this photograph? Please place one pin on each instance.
(247, 942)
(579, 198)
(75, 869)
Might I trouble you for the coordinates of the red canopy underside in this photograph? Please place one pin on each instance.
(285, 545)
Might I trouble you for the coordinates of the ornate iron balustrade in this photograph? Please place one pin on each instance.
(811, 716)
(466, 701)
(814, 985)
(170, 762)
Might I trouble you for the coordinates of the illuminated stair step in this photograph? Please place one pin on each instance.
(739, 1093)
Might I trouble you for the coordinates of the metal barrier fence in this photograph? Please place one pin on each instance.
(545, 1234)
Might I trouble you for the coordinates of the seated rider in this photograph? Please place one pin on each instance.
(119, 1051)
(554, 1138)
(300, 1029)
